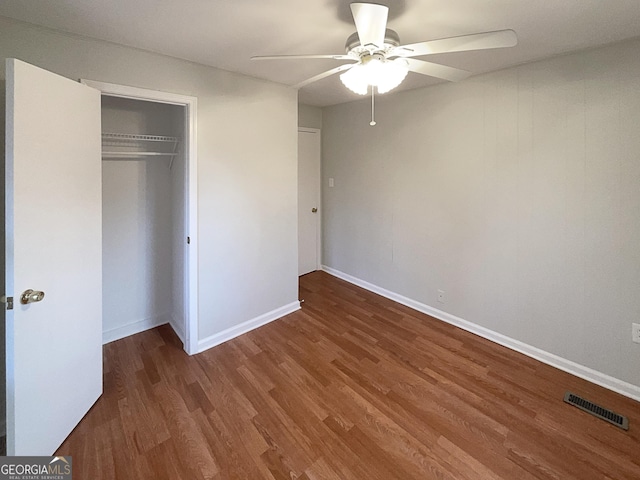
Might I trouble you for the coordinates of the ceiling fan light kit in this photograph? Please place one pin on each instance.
(377, 71)
(381, 63)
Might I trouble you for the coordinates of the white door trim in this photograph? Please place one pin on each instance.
(191, 186)
(319, 217)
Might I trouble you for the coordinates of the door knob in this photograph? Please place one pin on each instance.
(314, 210)
(31, 296)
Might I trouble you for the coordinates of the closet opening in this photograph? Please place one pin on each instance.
(149, 239)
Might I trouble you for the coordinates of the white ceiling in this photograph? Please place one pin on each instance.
(226, 33)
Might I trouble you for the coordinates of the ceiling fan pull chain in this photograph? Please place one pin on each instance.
(373, 120)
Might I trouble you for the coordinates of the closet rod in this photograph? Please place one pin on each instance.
(137, 154)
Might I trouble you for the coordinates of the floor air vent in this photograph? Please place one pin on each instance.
(597, 410)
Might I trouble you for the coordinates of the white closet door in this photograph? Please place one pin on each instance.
(308, 200)
(53, 239)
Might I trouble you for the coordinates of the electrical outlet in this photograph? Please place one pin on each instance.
(635, 332)
(441, 296)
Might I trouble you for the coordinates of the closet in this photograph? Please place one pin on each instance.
(144, 216)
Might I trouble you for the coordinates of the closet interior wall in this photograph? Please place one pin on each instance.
(143, 221)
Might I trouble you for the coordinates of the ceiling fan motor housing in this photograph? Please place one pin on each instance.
(353, 46)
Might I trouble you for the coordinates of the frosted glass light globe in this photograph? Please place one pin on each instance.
(376, 71)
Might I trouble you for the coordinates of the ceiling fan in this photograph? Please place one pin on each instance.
(378, 60)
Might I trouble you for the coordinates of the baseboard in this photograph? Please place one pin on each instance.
(229, 333)
(133, 328)
(178, 326)
(586, 373)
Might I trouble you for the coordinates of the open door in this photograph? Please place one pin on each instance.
(53, 245)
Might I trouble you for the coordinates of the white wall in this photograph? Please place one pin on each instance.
(247, 187)
(309, 116)
(517, 193)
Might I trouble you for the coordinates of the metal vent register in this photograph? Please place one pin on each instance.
(597, 410)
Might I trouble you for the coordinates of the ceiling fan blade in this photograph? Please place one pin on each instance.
(322, 75)
(436, 70)
(371, 23)
(463, 43)
(298, 57)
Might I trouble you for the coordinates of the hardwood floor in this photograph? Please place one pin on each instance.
(353, 386)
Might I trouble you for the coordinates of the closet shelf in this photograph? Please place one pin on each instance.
(129, 146)
(138, 138)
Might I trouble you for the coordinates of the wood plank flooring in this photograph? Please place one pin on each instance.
(353, 386)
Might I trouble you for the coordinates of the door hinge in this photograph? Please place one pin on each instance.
(8, 301)
(188, 240)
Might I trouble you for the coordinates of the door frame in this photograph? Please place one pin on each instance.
(191, 188)
(318, 132)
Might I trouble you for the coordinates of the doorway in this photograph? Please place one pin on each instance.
(158, 151)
